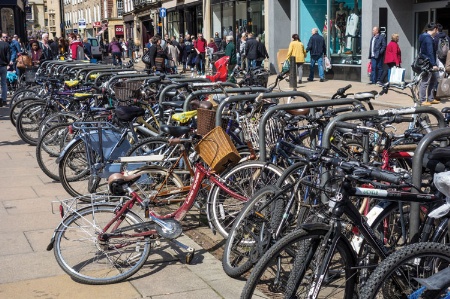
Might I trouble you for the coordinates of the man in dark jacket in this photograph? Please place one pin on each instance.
(316, 49)
(262, 53)
(427, 50)
(217, 40)
(376, 54)
(230, 51)
(251, 50)
(5, 60)
(440, 35)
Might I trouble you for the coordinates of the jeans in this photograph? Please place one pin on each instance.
(426, 87)
(319, 60)
(299, 70)
(377, 69)
(3, 82)
(251, 63)
(201, 63)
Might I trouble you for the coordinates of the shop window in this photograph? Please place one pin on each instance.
(341, 29)
(119, 8)
(216, 18)
(7, 21)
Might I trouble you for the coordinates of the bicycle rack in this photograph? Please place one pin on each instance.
(417, 175)
(308, 104)
(418, 154)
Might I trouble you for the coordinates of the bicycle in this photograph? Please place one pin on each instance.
(318, 257)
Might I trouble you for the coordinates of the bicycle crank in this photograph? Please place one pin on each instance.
(168, 228)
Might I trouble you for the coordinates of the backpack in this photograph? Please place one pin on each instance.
(443, 48)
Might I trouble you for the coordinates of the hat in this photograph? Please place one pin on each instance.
(229, 37)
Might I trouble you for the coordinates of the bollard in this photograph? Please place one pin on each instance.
(292, 73)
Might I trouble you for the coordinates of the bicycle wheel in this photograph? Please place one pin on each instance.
(55, 119)
(251, 234)
(49, 146)
(22, 93)
(74, 170)
(395, 276)
(29, 120)
(288, 268)
(245, 179)
(81, 254)
(19, 105)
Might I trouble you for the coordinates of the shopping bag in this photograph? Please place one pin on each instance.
(326, 64)
(286, 66)
(397, 75)
(443, 89)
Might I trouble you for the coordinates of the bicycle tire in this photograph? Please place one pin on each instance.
(55, 119)
(19, 105)
(28, 121)
(84, 258)
(49, 146)
(291, 260)
(245, 179)
(251, 233)
(19, 94)
(397, 264)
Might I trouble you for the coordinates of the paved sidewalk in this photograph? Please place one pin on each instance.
(26, 225)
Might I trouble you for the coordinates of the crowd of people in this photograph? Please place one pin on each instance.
(194, 53)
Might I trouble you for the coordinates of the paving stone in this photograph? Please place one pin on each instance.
(63, 287)
(196, 294)
(13, 193)
(14, 243)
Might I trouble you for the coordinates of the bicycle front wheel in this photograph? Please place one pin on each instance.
(245, 179)
(88, 260)
(287, 269)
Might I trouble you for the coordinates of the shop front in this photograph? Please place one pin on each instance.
(235, 17)
(128, 21)
(12, 17)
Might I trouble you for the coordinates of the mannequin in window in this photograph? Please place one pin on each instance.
(340, 24)
(351, 30)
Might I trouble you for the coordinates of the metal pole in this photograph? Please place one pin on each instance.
(292, 73)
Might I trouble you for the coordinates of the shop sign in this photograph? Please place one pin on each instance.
(119, 29)
(97, 24)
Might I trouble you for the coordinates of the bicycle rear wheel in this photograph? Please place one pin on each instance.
(81, 254)
(29, 120)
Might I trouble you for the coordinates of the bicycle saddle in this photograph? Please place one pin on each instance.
(445, 110)
(174, 104)
(174, 131)
(438, 160)
(128, 113)
(365, 95)
(298, 111)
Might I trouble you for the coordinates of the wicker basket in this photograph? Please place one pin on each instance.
(217, 150)
(126, 90)
(206, 121)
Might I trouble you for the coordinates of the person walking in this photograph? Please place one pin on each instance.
(200, 48)
(47, 53)
(36, 54)
(73, 45)
(217, 40)
(116, 51)
(376, 53)
(251, 51)
(241, 60)
(87, 48)
(172, 53)
(230, 50)
(393, 57)
(261, 53)
(130, 48)
(15, 52)
(427, 50)
(5, 60)
(316, 49)
(297, 49)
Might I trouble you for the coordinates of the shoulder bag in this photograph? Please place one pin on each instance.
(146, 58)
(443, 89)
(24, 61)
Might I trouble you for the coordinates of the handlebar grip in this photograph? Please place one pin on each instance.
(341, 91)
(390, 177)
(303, 150)
(345, 125)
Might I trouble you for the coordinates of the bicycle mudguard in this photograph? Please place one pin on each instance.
(437, 281)
(63, 152)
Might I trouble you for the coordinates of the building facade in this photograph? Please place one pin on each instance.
(12, 17)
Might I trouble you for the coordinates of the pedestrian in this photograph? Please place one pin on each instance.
(73, 45)
(230, 50)
(15, 52)
(31, 39)
(87, 48)
(441, 44)
(376, 53)
(261, 54)
(241, 59)
(62, 46)
(36, 54)
(251, 51)
(217, 40)
(116, 51)
(47, 53)
(187, 52)
(212, 45)
(297, 49)
(181, 49)
(200, 48)
(427, 50)
(5, 60)
(130, 46)
(157, 55)
(172, 53)
(54, 47)
(316, 49)
(393, 57)
(137, 47)
(174, 41)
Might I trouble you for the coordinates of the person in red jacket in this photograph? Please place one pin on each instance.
(392, 57)
(200, 48)
(73, 44)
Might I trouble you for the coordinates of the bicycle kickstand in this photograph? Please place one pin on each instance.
(190, 251)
